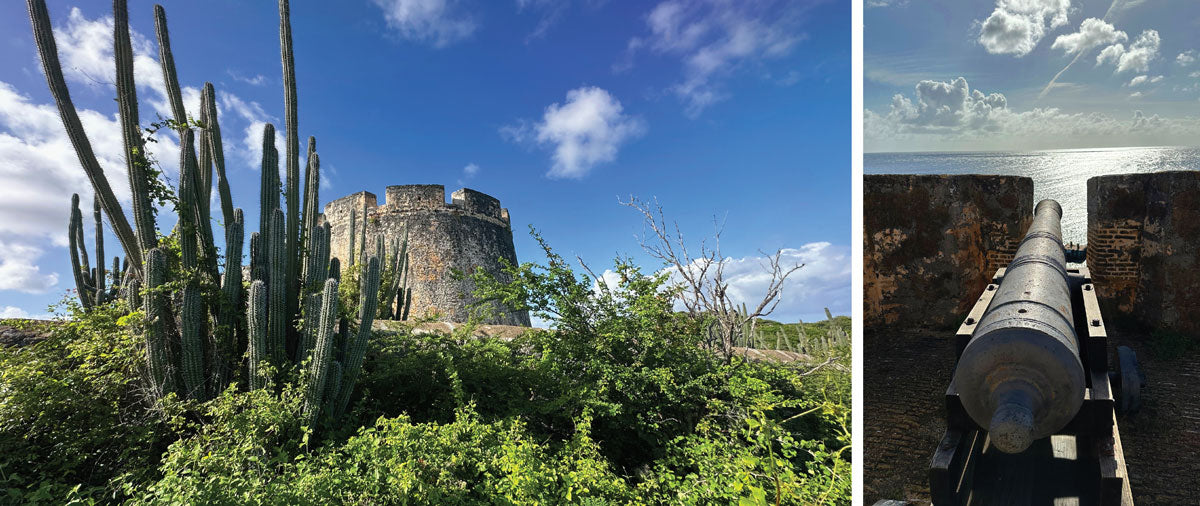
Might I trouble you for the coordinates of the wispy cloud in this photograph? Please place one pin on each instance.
(468, 173)
(257, 80)
(713, 39)
(437, 22)
(586, 130)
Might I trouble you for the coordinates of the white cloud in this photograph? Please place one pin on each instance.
(1016, 26)
(1186, 58)
(438, 22)
(1136, 57)
(13, 312)
(823, 282)
(257, 80)
(585, 131)
(1092, 33)
(947, 105)
(713, 39)
(19, 272)
(950, 116)
(1143, 79)
(468, 173)
(250, 149)
(39, 169)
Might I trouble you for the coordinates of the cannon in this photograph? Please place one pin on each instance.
(1030, 409)
(1020, 376)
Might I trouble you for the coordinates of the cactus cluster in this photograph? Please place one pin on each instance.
(202, 330)
(91, 283)
(395, 297)
(815, 345)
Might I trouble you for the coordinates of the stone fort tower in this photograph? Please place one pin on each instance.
(472, 231)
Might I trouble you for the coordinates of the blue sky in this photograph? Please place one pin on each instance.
(716, 108)
(1130, 74)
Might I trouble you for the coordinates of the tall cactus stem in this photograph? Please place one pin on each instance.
(43, 36)
(157, 307)
(277, 283)
(73, 235)
(226, 339)
(167, 61)
(319, 365)
(98, 279)
(256, 316)
(269, 188)
(369, 286)
(136, 162)
(353, 236)
(212, 131)
(192, 342)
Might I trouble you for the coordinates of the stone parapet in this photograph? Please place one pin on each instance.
(932, 242)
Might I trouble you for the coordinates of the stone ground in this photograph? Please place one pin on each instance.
(906, 375)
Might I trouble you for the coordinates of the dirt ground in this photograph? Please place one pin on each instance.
(906, 374)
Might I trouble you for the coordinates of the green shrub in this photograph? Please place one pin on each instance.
(71, 409)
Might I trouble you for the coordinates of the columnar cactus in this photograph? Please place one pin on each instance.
(319, 364)
(192, 343)
(197, 339)
(358, 348)
(353, 234)
(256, 316)
(136, 164)
(43, 36)
(277, 283)
(158, 318)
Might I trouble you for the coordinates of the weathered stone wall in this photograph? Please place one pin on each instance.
(932, 242)
(472, 231)
(1144, 247)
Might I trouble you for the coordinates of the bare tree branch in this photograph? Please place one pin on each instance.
(705, 291)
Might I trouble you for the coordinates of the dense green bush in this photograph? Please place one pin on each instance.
(71, 410)
(620, 404)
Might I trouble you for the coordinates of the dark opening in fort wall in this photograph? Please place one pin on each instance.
(472, 231)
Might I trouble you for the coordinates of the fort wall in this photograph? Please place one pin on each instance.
(469, 232)
(932, 242)
(1144, 248)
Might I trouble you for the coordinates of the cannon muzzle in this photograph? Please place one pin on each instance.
(1020, 377)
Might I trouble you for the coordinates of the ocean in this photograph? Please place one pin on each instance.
(1058, 174)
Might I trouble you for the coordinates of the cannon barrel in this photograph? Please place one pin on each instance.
(1020, 377)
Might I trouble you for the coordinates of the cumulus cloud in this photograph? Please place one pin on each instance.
(1136, 57)
(1092, 33)
(585, 131)
(1186, 58)
(713, 39)
(438, 22)
(1143, 122)
(823, 282)
(942, 105)
(951, 116)
(1016, 26)
(19, 272)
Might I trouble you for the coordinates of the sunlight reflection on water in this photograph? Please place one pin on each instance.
(1059, 174)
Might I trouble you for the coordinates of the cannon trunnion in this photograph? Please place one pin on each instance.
(1030, 411)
